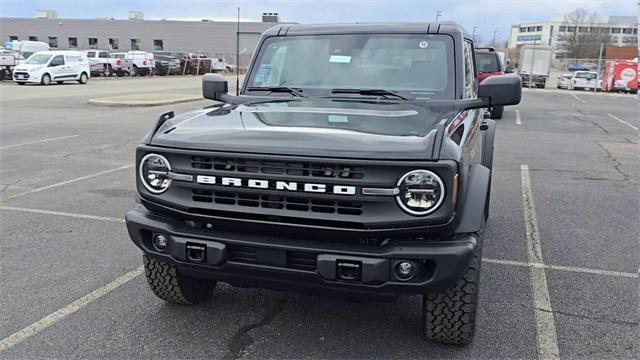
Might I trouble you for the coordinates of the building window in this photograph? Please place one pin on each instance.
(523, 29)
(538, 28)
(571, 29)
(529, 38)
(616, 30)
(113, 43)
(73, 42)
(605, 30)
(562, 28)
(583, 29)
(53, 42)
(33, 38)
(635, 31)
(627, 31)
(93, 43)
(13, 37)
(135, 44)
(158, 45)
(594, 29)
(629, 40)
(531, 28)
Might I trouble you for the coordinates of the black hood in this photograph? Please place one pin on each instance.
(308, 127)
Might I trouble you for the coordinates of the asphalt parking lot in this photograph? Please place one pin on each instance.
(560, 260)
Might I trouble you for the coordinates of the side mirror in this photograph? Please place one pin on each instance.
(501, 90)
(214, 86)
(508, 70)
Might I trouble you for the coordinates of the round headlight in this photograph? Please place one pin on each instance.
(154, 173)
(421, 192)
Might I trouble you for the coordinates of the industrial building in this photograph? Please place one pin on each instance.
(213, 38)
(622, 31)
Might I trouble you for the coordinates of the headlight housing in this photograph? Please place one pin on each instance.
(420, 192)
(154, 173)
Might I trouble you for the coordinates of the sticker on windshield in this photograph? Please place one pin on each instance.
(340, 59)
(338, 118)
(423, 44)
(263, 73)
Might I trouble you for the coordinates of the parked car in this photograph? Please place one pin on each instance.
(584, 80)
(101, 63)
(488, 63)
(578, 67)
(136, 62)
(167, 65)
(564, 81)
(349, 182)
(44, 67)
(119, 63)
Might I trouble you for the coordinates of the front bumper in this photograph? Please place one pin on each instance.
(281, 262)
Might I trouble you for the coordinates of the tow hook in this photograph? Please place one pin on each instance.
(196, 253)
(349, 270)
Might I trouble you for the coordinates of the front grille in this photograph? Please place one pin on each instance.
(294, 203)
(21, 75)
(294, 168)
(294, 259)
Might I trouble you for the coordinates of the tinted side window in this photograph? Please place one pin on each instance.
(91, 54)
(57, 61)
(103, 54)
(470, 88)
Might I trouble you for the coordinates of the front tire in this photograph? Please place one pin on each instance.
(83, 78)
(169, 285)
(46, 79)
(450, 317)
(496, 112)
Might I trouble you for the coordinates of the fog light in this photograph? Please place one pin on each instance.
(405, 270)
(160, 242)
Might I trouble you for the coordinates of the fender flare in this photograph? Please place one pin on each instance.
(473, 209)
(488, 137)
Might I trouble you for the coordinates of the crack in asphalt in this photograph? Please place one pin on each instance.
(578, 118)
(241, 339)
(587, 317)
(617, 164)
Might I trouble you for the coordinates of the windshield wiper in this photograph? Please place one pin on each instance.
(381, 92)
(289, 90)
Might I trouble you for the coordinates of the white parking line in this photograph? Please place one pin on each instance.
(37, 141)
(518, 118)
(547, 338)
(622, 121)
(578, 98)
(562, 268)
(71, 308)
(61, 213)
(67, 182)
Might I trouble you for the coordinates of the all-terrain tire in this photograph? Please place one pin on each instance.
(496, 112)
(450, 316)
(169, 285)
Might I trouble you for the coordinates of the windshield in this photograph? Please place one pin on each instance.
(416, 64)
(487, 62)
(38, 59)
(586, 76)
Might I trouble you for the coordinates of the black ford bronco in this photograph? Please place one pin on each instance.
(356, 159)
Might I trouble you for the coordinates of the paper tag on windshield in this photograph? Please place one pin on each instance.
(338, 118)
(340, 59)
(263, 73)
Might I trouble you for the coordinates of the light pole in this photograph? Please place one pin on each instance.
(474, 33)
(438, 14)
(493, 42)
(533, 58)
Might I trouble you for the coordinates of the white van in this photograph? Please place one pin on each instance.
(46, 66)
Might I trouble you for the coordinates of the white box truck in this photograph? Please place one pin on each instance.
(534, 65)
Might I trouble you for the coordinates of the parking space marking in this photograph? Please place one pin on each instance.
(86, 177)
(578, 98)
(622, 121)
(547, 338)
(562, 268)
(518, 118)
(61, 213)
(38, 141)
(69, 309)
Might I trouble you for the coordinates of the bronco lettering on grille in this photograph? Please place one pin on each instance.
(276, 185)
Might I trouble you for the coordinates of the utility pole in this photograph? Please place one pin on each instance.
(533, 58)
(493, 42)
(595, 88)
(238, 55)
(438, 14)
(474, 33)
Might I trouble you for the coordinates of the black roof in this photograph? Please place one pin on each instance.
(443, 27)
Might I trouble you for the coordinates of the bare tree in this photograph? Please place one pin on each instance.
(582, 39)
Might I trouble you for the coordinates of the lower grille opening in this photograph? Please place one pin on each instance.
(295, 259)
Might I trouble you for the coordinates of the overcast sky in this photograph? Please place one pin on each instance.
(487, 15)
